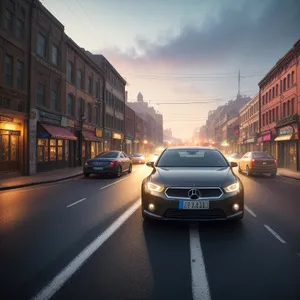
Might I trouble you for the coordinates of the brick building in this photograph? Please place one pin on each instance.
(249, 126)
(129, 130)
(84, 107)
(279, 110)
(15, 34)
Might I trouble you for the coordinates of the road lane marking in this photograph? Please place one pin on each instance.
(60, 279)
(200, 288)
(113, 183)
(275, 234)
(250, 211)
(74, 203)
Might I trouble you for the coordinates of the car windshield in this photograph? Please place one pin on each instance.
(137, 155)
(261, 155)
(108, 155)
(192, 158)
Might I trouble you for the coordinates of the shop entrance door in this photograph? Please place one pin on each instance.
(9, 152)
(291, 156)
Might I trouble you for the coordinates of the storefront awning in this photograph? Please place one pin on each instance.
(59, 132)
(90, 136)
(285, 137)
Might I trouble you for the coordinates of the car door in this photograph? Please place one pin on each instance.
(127, 160)
(123, 162)
(243, 161)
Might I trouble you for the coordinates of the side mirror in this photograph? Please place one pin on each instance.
(150, 164)
(233, 164)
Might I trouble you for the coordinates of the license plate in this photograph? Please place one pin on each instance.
(264, 163)
(98, 168)
(193, 204)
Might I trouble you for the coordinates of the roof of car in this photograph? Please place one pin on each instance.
(190, 148)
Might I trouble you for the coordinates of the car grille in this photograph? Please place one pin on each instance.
(184, 192)
(194, 214)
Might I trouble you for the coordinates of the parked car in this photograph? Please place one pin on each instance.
(258, 162)
(112, 162)
(192, 183)
(138, 158)
(235, 157)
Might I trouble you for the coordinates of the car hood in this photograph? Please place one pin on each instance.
(188, 177)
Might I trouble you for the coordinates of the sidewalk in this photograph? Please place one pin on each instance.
(288, 173)
(45, 177)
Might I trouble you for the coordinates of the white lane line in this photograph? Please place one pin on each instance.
(74, 203)
(59, 280)
(275, 234)
(200, 288)
(250, 211)
(106, 186)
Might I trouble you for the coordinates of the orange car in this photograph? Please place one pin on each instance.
(258, 162)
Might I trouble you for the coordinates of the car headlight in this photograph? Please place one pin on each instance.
(154, 187)
(232, 188)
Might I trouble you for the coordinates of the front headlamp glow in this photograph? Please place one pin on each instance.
(232, 188)
(154, 187)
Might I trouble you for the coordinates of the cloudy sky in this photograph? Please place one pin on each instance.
(184, 51)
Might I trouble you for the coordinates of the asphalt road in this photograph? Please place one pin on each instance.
(85, 239)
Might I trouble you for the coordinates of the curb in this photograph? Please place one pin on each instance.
(38, 182)
(288, 176)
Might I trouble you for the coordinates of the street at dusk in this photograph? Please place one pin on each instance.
(150, 150)
(44, 228)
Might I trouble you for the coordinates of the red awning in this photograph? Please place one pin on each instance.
(59, 132)
(90, 136)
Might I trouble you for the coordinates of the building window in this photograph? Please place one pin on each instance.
(288, 81)
(8, 70)
(20, 29)
(54, 96)
(96, 89)
(41, 94)
(270, 95)
(293, 77)
(89, 85)
(41, 45)
(70, 72)
(284, 110)
(263, 100)
(277, 113)
(54, 55)
(270, 117)
(20, 75)
(276, 90)
(8, 20)
(288, 107)
(96, 115)
(71, 105)
(273, 92)
(292, 106)
(273, 115)
(267, 97)
(284, 84)
(89, 112)
(280, 86)
(80, 79)
(80, 108)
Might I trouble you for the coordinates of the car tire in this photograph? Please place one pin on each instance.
(86, 175)
(273, 174)
(248, 172)
(130, 169)
(119, 172)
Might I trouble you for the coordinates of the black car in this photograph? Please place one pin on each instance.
(112, 162)
(192, 184)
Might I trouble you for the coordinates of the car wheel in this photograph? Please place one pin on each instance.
(86, 175)
(119, 172)
(130, 169)
(248, 171)
(273, 174)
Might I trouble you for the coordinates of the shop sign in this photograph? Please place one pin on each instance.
(6, 119)
(286, 130)
(267, 137)
(8, 92)
(287, 120)
(259, 140)
(98, 132)
(128, 141)
(50, 118)
(70, 123)
(11, 132)
(136, 141)
(88, 127)
(117, 136)
(252, 140)
(64, 122)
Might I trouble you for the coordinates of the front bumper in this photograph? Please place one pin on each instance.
(169, 209)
